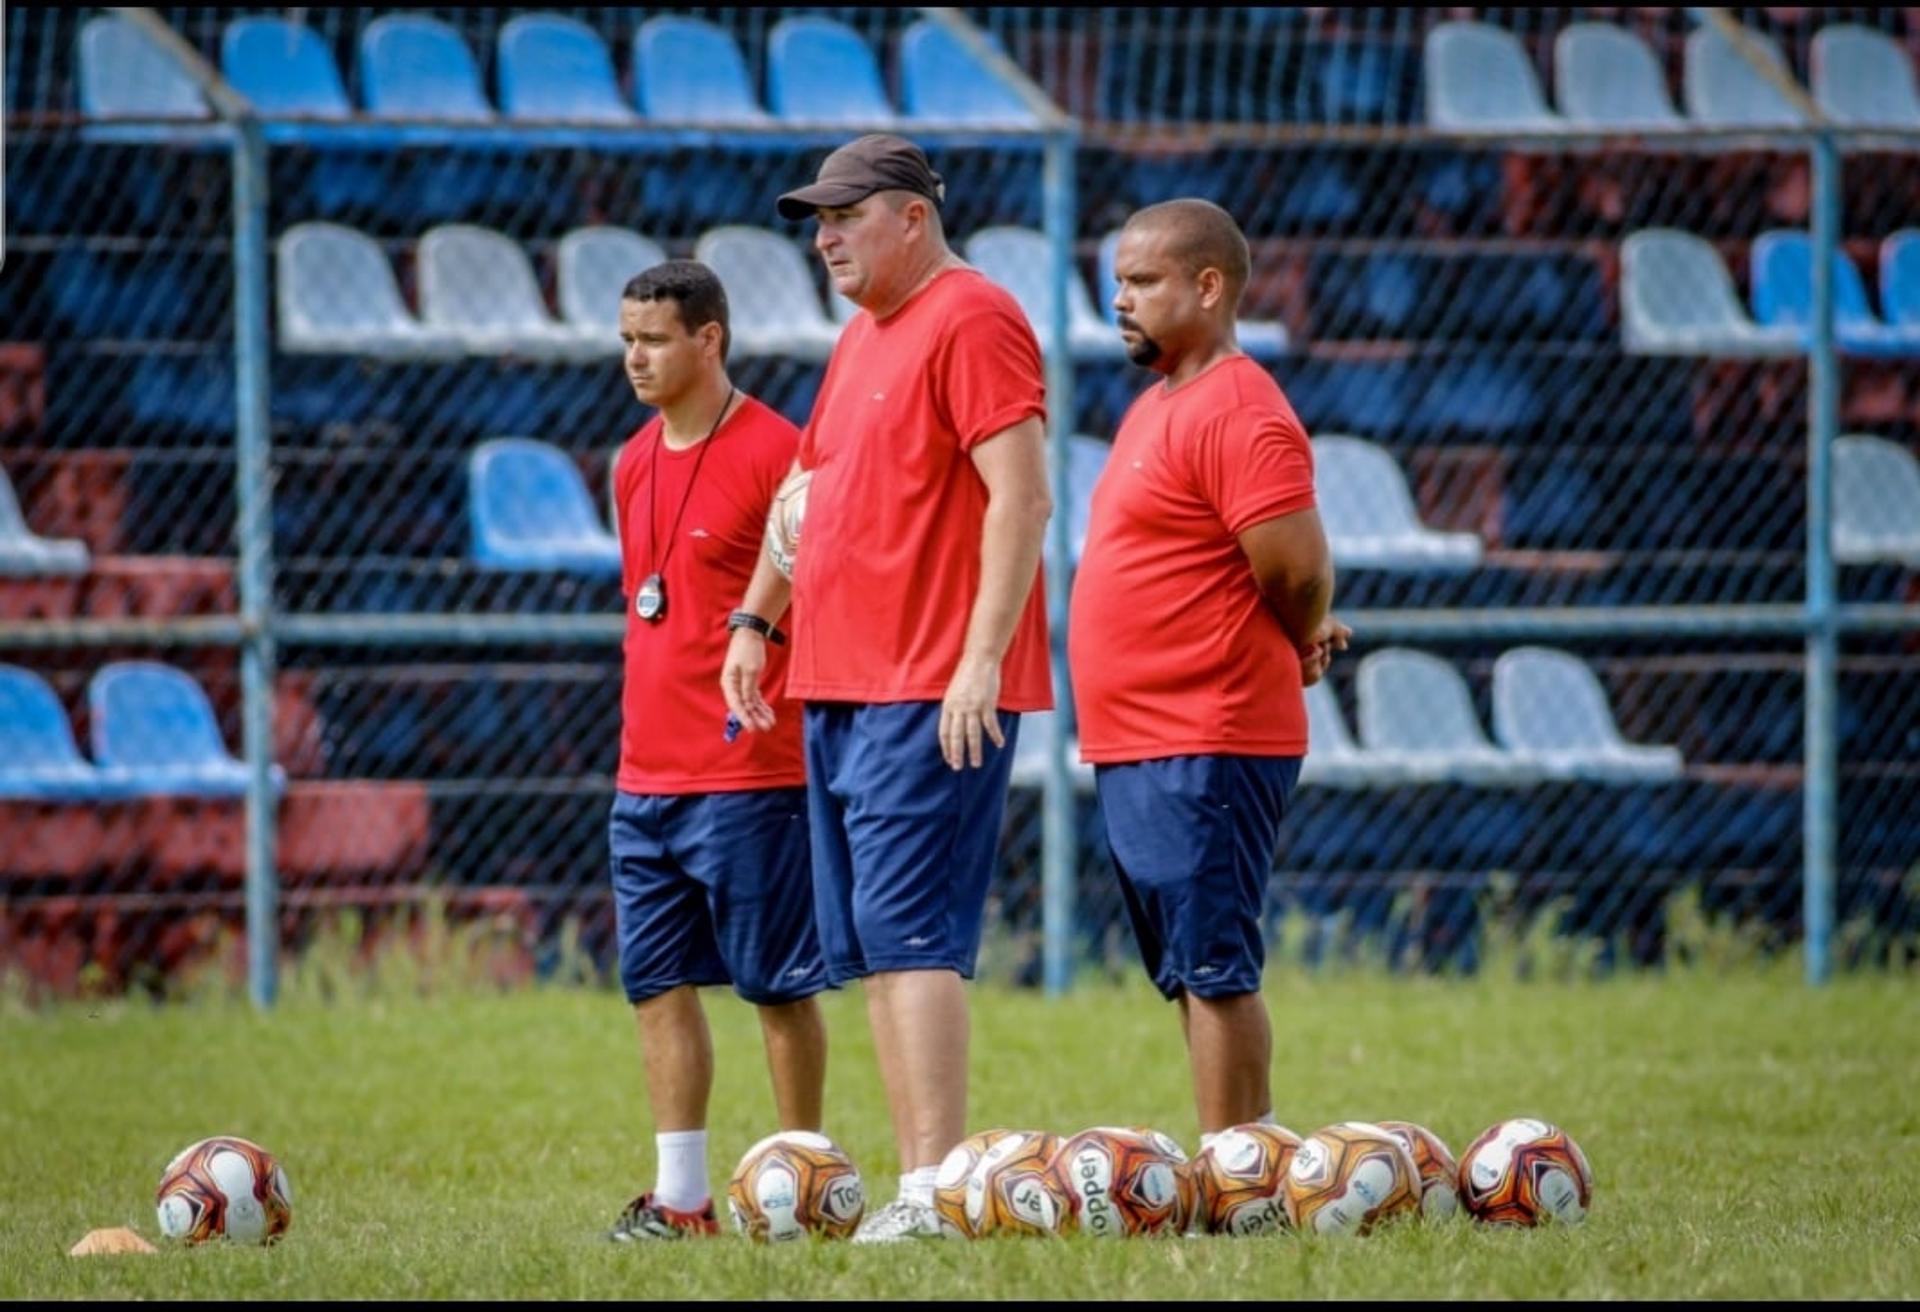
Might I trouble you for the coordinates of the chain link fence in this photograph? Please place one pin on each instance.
(1557, 375)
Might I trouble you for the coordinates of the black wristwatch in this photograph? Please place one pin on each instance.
(746, 619)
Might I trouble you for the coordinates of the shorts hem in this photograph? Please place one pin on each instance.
(846, 972)
(653, 988)
(1212, 989)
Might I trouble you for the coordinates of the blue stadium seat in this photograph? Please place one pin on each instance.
(1609, 78)
(940, 80)
(1677, 298)
(1479, 79)
(1369, 514)
(412, 66)
(821, 71)
(774, 306)
(593, 266)
(1783, 297)
(1263, 339)
(283, 68)
(1550, 708)
(1417, 708)
(1018, 259)
(123, 74)
(558, 68)
(38, 758)
(337, 295)
(689, 71)
(478, 285)
(1900, 278)
(1863, 77)
(24, 553)
(1876, 501)
(1030, 755)
(1086, 461)
(1333, 759)
(154, 734)
(528, 508)
(1723, 90)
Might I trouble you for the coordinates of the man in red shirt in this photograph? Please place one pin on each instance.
(919, 627)
(1199, 614)
(708, 835)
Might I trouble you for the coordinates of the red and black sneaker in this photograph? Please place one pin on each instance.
(645, 1219)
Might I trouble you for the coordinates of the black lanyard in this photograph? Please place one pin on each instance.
(650, 603)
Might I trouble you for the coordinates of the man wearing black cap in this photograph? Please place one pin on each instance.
(919, 629)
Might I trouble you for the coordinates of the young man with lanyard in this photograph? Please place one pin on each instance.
(1199, 615)
(919, 627)
(708, 835)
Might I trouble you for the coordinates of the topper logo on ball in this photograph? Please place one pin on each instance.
(1098, 1215)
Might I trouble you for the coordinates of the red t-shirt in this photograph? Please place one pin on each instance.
(1173, 650)
(889, 559)
(673, 716)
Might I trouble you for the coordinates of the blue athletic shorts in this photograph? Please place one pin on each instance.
(713, 888)
(1193, 838)
(903, 846)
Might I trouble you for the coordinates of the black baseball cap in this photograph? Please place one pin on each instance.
(876, 162)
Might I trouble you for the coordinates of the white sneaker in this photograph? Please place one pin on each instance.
(899, 1220)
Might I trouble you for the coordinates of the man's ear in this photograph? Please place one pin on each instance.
(1213, 287)
(711, 336)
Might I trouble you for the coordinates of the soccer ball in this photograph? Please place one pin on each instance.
(795, 1183)
(1524, 1172)
(1119, 1183)
(224, 1186)
(783, 520)
(1439, 1175)
(996, 1183)
(1348, 1178)
(1239, 1179)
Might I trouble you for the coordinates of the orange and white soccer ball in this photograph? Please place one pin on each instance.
(1525, 1172)
(1240, 1180)
(783, 520)
(1439, 1173)
(1349, 1178)
(224, 1187)
(1119, 1183)
(997, 1183)
(793, 1184)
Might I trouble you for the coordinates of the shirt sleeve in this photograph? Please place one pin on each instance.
(989, 377)
(1253, 465)
(622, 516)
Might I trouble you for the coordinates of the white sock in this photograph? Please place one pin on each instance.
(682, 1181)
(917, 1186)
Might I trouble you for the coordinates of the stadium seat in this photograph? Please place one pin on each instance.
(1369, 514)
(1863, 77)
(154, 734)
(283, 68)
(1900, 278)
(1607, 77)
(1549, 707)
(1479, 79)
(1030, 755)
(1723, 90)
(689, 71)
(1086, 461)
(24, 553)
(1333, 759)
(1876, 501)
(1019, 259)
(478, 285)
(1783, 297)
(1417, 708)
(594, 265)
(1677, 298)
(412, 66)
(557, 68)
(529, 509)
(337, 295)
(942, 81)
(1263, 339)
(821, 71)
(770, 293)
(38, 758)
(123, 74)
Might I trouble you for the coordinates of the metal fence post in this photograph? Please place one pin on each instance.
(1822, 751)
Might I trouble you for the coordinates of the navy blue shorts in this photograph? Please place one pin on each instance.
(903, 846)
(1194, 839)
(712, 888)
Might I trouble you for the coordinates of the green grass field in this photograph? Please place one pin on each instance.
(1750, 1138)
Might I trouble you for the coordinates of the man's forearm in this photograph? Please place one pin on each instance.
(1302, 607)
(1011, 535)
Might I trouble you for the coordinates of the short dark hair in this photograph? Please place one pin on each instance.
(1204, 237)
(693, 288)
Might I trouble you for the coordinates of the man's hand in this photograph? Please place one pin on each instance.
(740, 680)
(970, 710)
(1330, 637)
